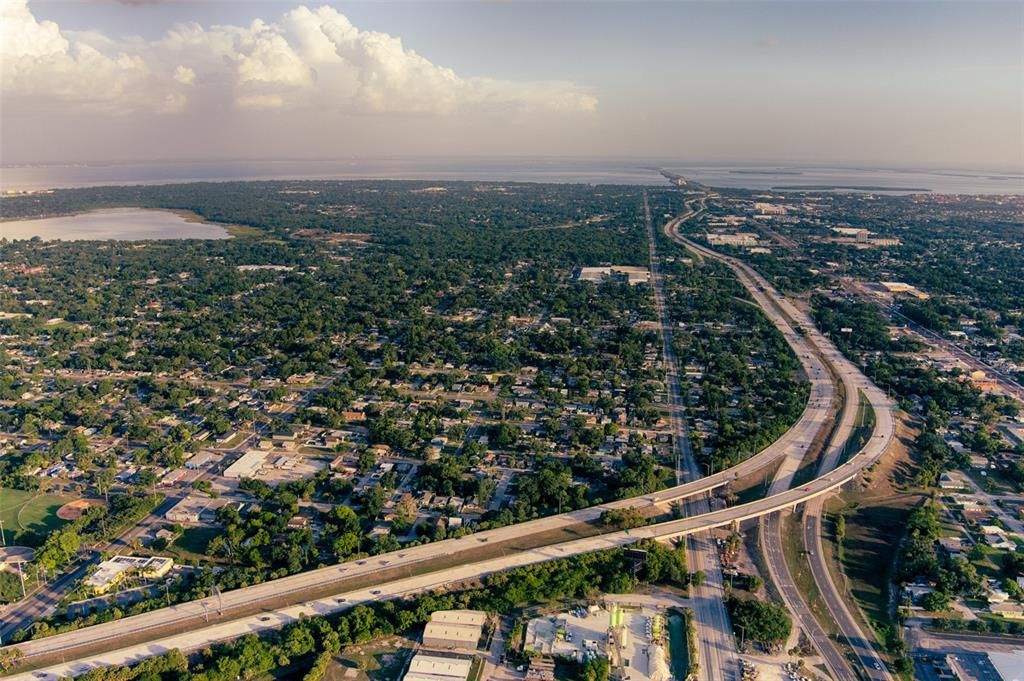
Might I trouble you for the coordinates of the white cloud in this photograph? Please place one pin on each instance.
(184, 75)
(306, 59)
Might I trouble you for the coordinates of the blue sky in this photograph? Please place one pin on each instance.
(899, 83)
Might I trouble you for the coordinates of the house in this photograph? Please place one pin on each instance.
(913, 592)
(199, 460)
(948, 482)
(1008, 610)
(953, 546)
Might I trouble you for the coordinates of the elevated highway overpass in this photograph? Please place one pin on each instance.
(136, 637)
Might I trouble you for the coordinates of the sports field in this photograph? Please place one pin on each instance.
(29, 511)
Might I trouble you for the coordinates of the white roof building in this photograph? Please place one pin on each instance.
(454, 629)
(111, 572)
(247, 465)
(431, 667)
(1009, 666)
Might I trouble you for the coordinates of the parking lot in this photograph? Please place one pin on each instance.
(641, 651)
(633, 639)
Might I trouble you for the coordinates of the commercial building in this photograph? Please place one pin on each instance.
(194, 509)
(630, 275)
(769, 208)
(247, 465)
(904, 288)
(466, 618)
(111, 572)
(454, 630)
(433, 667)
(1009, 666)
(737, 239)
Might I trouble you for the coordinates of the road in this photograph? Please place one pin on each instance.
(1007, 383)
(45, 600)
(854, 382)
(192, 615)
(718, 653)
(771, 539)
(1011, 521)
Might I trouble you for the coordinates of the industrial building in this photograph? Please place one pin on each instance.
(454, 630)
(433, 667)
(111, 572)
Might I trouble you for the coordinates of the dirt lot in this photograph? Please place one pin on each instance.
(73, 510)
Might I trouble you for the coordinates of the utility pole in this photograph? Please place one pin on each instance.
(21, 574)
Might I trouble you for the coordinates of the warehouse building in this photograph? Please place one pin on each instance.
(433, 667)
(454, 630)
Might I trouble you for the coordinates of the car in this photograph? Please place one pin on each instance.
(878, 666)
(375, 592)
(265, 618)
(339, 600)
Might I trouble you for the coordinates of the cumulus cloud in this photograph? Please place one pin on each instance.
(309, 58)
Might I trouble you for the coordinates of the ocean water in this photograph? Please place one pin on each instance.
(794, 178)
(127, 224)
(591, 171)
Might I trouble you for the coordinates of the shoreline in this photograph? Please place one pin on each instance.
(230, 230)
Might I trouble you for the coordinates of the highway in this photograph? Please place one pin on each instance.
(853, 382)
(44, 600)
(194, 614)
(718, 653)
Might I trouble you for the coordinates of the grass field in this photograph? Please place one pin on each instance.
(378, 661)
(800, 570)
(193, 542)
(31, 513)
(876, 515)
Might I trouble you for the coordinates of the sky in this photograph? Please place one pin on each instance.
(905, 84)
